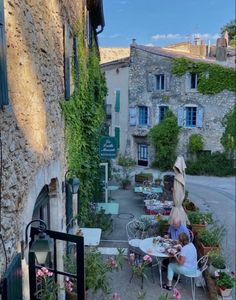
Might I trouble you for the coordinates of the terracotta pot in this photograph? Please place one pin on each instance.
(203, 250)
(225, 292)
(197, 227)
(71, 296)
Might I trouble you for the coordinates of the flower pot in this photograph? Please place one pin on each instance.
(203, 250)
(71, 296)
(211, 269)
(197, 227)
(225, 292)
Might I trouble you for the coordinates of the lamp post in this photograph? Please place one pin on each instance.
(41, 246)
(71, 187)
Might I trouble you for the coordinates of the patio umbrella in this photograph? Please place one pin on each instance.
(179, 191)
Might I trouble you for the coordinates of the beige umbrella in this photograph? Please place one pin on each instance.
(179, 192)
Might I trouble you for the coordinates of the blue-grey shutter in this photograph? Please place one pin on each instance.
(187, 82)
(148, 117)
(180, 116)
(117, 104)
(199, 116)
(132, 116)
(167, 82)
(67, 61)
(76, 58)
(117, 137)
(150, 82)
(3, 59)
(158, 115)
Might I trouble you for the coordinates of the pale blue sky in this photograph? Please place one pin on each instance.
(161, 22)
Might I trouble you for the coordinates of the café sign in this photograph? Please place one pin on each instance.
(107, 147)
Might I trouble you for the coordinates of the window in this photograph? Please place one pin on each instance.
(143, 115)
(3, 65)
(162, 111)
(42, 207)
(142, 154)
(191, 116)
(193, 81)
(117, 105)
(160, 82)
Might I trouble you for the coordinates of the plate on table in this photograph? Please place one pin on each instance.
(172, 251)
(161, 249)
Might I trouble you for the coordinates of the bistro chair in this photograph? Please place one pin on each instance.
(202, 266)
(191, 235)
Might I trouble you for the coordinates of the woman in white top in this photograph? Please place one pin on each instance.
(186, 261)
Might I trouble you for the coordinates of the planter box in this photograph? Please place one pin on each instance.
(140, 178)
(197, 227)
(203, 250)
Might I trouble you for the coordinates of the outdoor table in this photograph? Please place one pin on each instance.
(147, 190)
(91, 236)
(110, 208)
(153, 250)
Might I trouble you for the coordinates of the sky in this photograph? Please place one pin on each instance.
(163, 22)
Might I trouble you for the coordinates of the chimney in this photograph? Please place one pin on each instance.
(226, 36)
(221, 49)
(196, 39)
(133, 42)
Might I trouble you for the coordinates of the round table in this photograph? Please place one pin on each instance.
(151, 249)
(111, 188)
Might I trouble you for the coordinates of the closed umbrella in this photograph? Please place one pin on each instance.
(179, 191)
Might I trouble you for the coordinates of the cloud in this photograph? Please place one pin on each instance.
(208, 36)
(149, 45)
(115, 36)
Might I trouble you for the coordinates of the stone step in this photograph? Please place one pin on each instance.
(111, 250)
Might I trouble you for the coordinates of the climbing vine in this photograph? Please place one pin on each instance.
(84, 119)
(228, 139)
(213, 78)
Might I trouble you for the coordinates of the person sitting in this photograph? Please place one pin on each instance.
(175, 229)
(186, 261)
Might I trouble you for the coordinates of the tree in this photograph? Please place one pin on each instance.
(231, 28)
(164, 137)
(228, 139)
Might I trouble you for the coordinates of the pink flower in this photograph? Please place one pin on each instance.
(176, 294)
(39, 273)
(147, 258)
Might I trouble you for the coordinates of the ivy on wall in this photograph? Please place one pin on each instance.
(84, 118)
(213, 78)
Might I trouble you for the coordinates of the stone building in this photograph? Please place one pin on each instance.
(153, 88)
(36, 50)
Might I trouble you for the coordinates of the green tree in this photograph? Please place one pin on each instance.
(164, 137)
(231, 28)
(195, 143)
(228, 139)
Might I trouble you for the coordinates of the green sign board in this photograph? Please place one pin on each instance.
(107, 147)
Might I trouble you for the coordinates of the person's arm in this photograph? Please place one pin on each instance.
(180, 259)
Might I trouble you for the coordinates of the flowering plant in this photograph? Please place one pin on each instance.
(47, 288)
(225, 280)
(176, 296)
(138, 267)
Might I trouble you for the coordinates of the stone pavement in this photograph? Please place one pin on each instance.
(131, 205)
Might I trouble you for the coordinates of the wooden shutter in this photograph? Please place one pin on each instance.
(117, 137)
(3, 59)
(133, 116)
(180, 116)
(117, 105)
(67, 61)
(199, 117)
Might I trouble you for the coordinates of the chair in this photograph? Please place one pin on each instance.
(202, 266)
(135, 231)
(191, 235)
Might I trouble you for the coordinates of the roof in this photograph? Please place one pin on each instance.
(119, 63)
(113, 54)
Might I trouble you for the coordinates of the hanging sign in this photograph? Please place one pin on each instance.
(108, 149)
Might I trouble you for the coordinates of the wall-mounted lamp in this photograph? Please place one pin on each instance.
(73, 183)
(41, 246)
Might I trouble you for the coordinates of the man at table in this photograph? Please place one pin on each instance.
(175, 229)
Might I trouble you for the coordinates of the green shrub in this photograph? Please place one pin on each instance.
(215, 164)
(228, 139)
(197, 217)
(164, 137)
(195, 143)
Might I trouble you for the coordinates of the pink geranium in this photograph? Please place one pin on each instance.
(147, 258)
(176, 294)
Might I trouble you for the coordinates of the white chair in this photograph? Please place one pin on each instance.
(191, 235)
(202, 266)
(135, 231)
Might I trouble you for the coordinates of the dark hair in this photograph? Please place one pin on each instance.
(183, 238)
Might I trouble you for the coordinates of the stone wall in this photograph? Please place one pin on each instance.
(32, 126)
(143, 65)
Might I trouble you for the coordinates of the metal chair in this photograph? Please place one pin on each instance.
(191, 235)
(202, 266)
(135, 231)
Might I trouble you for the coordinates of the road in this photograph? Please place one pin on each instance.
(217, 195)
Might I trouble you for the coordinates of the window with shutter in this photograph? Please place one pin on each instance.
(191, 116)
(199, 117)
(117, 137)
(143, 115)
(162, 110)
(180, 116)
(133, 116)
(117, 105)
(3, 58)
(160, 82)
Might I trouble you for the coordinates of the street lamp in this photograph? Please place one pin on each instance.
(41, 246)
(74, 184)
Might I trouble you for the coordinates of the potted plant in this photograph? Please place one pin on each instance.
(126, 163)
(199, 220)
(225, 282)
(189, 205)
(217, 263)
(141, 177)
(158, 180)
(209, 239)
(126, 183)
(48, 288)
(162, 226)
